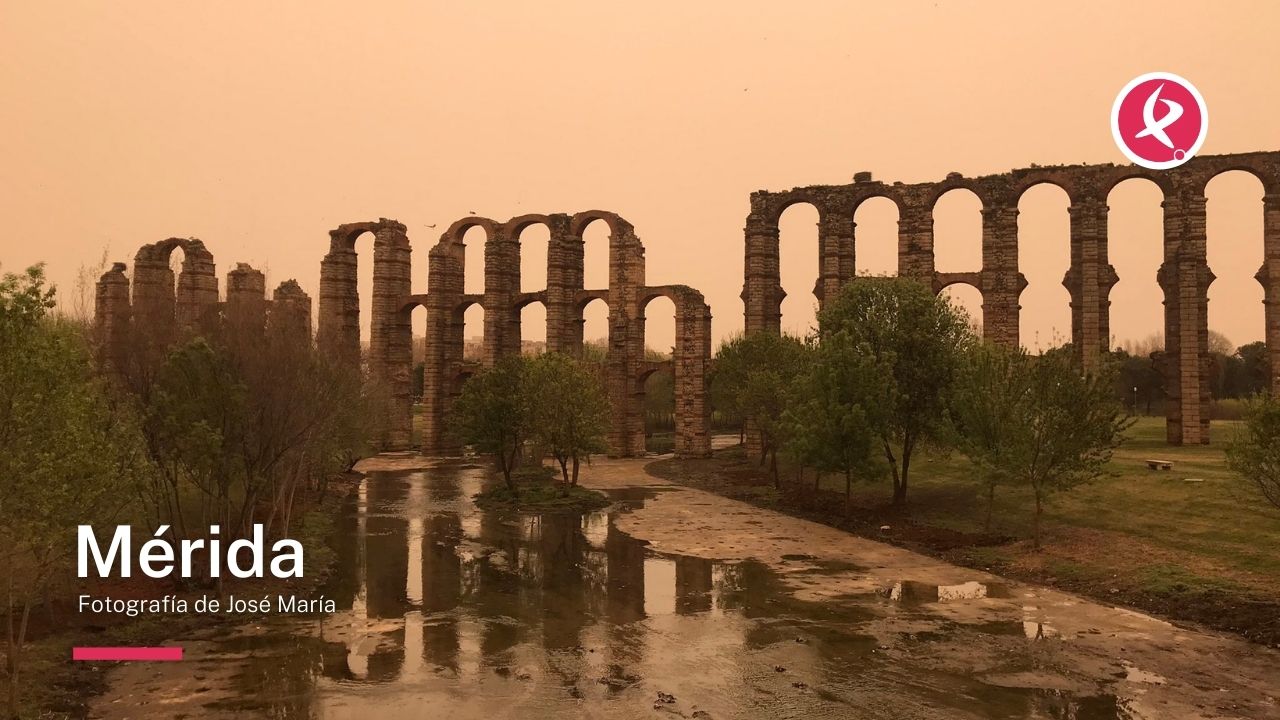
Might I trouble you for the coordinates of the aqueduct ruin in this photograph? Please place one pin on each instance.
(1185, 275)
(153, 303)
(156, 302)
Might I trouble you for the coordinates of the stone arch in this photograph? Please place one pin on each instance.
(1184, 275)
(1236, 255)
(964, 291)
(958, 243)
(339, 323)
(1133, 214)
(1044, 252)
(800, 266)
(871, 258)
(166, 303)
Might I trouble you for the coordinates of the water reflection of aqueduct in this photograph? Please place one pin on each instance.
(1184, 276)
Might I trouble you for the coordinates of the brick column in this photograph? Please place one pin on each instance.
(1089, 281)
(338, 332)
(564, 280)
(111, 314)
(626, 341)
(444, 343)
(915, 239)
(1002, 283)
(1185, 278)
(1269, 276)
(290, 311)
(246, 310)
(690, 360)
(501, 284)
(153, 294)
(835, 248)
(391, 330)
(762, 285)
(197, 291)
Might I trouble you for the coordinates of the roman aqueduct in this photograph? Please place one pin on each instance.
(155, 303)
(151, 299)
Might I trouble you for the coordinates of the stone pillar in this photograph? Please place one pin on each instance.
(290, 312)
(391, 330)
(564, 280)
(153, 294)
(762, 285)
(338, 332)
(246, 310)
(626, 341)
(1269, 276)
(111, 319)
(1089, 281)
(836, 258)
(1002, 283)
(197, 290)
(915, 238)
(501, 285)
(690, 360)
(444, 343)
(1185, 278)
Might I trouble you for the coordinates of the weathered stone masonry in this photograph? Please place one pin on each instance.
(162, 312)
(152, 308)
(564, 298)
(1185, 275)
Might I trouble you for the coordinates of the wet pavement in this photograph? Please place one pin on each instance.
(677, 603)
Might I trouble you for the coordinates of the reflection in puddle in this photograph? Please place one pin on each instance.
(909, 591)
(455, 612)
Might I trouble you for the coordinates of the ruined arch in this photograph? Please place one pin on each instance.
(1044, 252)
(1184, 275)
(799, 266)
(565, 298)
(876, 240)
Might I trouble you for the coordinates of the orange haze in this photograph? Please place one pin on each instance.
(257, 127)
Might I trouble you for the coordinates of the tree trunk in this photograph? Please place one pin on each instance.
(991, 500)
(848, 491)
(1037, 524)
(773, 465)
(900, 493)
(576, 465)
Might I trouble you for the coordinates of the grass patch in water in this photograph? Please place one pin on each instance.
(542, 496)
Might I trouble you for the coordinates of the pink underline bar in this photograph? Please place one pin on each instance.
(163, 654)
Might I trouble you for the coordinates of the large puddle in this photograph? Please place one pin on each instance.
(449, 611)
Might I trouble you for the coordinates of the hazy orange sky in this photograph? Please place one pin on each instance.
(257, 127)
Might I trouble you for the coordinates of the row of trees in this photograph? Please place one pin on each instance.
(533, 404)
(229, 426)
(1234, 373)
(893, 368)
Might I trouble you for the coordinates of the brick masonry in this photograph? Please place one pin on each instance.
(1184, 276)
(163, 314)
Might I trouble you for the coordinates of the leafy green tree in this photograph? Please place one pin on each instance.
(985, 405)
(1255, 451)
(493, 413)
(68, 452)
(918, 339)
(1039, 421)
(754, 374)
(569, 413)
(829, 424)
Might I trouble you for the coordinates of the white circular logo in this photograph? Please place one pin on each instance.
(1159, 120)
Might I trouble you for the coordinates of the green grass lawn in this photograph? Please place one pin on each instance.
(1221, 524)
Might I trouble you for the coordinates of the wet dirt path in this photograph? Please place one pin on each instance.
(676, 603)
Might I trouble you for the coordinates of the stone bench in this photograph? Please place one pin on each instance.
(1159, 464)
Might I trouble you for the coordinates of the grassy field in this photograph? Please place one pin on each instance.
(1196, 543)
